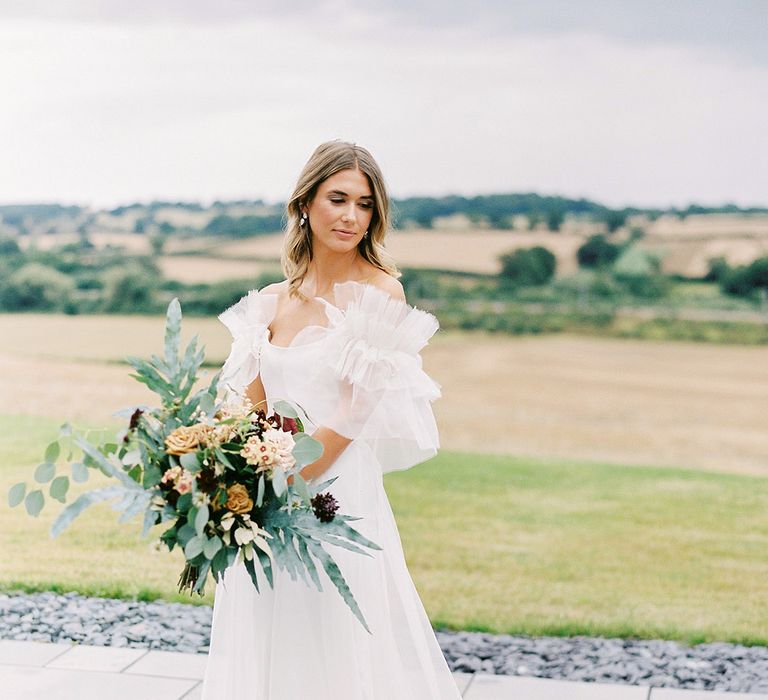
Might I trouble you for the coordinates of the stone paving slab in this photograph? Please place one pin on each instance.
(195, 694)
(680, 694)
(32, 683)
(170, 664)
(490, 687)
(86, 657)
(67, 671)
(462, 680)
(22, 653)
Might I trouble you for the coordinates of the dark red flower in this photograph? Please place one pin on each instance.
(325, 506)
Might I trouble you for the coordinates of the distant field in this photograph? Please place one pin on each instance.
(613, 400)
(493, 543)
(687, 245)
(199, 270)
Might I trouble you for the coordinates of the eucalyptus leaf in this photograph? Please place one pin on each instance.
(202, 576)
(52, 452)
(301, 488)
(307, 449)
(79, 472)
(193, 547)
(184, 501)
(260, 491)
(279, 483)
(34, 502)
(131, 457)
(185, 533)
(201, 519)
(285, 409)
(219, 562)
(190, 461)
(16, 494)
(59, 487)
(44, 472)
(212, 547)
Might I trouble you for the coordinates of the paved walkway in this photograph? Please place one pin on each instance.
(65, 671)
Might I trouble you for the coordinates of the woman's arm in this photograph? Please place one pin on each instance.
(255, 392)
(333, 445)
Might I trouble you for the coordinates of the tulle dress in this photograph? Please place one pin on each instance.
(360, 374)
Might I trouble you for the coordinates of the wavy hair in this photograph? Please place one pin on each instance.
(328, 159)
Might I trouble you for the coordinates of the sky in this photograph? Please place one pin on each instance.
(651, 103)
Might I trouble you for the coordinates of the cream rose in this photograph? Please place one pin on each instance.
(186, 439)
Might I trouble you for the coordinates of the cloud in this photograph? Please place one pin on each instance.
(112, 111)
(729, 27)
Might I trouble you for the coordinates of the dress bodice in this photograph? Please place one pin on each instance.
(360, 374)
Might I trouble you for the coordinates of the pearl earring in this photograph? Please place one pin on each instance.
(303, 219)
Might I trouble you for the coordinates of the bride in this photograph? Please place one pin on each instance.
(338, 339)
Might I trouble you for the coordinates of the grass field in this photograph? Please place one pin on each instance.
(556, 397)
(493, 543)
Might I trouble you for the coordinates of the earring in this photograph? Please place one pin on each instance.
(303, 219)
(366, 233)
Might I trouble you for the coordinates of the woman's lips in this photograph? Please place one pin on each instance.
(346, 234)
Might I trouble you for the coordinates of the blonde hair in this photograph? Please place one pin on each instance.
(328, 159)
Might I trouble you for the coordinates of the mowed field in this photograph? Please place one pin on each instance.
(560, 397)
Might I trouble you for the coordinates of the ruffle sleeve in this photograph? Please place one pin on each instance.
(385, 394)
(247, 321)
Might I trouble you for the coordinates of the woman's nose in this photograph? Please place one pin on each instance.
(349, 212)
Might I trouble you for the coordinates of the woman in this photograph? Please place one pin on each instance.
(337, 338)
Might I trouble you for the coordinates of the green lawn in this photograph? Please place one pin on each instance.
(498, 544)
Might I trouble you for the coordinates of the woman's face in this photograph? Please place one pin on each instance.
(341, 211)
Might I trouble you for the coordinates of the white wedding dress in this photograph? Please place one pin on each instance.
(361, 375)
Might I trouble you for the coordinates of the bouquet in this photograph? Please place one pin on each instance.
(224, 474)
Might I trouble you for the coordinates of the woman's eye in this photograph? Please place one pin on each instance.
(337, 201)
(367, 206)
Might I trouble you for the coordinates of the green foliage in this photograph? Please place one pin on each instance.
(639, 272)
(614, 219)
(597, 251)
(555, 218)
(8, 247)
(243, 226)
(746, 280)
(719, 269)
(527, 266)
(130, 289)
(35, 287)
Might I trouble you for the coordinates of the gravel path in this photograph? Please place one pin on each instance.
(51, 617)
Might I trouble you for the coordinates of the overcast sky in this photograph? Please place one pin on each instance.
(641, 102)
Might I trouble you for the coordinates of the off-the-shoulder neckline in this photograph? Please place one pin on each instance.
(340, 284)
(379, 290)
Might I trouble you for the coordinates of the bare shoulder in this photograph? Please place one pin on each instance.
(389, 284)
(275, 288)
